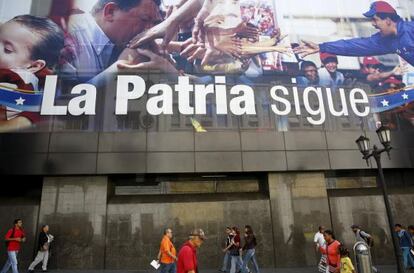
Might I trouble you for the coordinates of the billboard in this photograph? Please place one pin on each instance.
(206, 65)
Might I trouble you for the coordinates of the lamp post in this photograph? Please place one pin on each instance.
(384, 135)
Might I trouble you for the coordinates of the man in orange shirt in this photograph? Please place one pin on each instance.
(167, 254)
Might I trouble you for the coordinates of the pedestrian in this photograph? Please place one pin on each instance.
(167, 254)
(229, 237)
(318, 238)
(45, 239)
(187, 256)
(346, 263)
(14, 237)
(235, 252)
(362, 236)
(411, 231)
(250, 249)
(395, 36)
(329, 76)
(319, 241)
(405, 244)
(331, 250)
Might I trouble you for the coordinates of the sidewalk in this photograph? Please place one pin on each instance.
(382, 269)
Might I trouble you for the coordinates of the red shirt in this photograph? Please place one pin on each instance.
(17, 233)
(187, 258)
(332, 253)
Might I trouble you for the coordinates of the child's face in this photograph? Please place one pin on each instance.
(16, 43)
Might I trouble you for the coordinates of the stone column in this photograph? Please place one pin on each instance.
(299, 204)
(75, 210)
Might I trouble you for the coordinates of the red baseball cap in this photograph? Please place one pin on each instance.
(325, 56)
(379, 7)
(393, 79)
(370, 61)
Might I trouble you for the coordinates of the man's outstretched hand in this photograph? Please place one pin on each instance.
(306, 48)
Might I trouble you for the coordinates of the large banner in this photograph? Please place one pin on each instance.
(119, 65)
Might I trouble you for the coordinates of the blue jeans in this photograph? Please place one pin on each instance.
(11, 262)
(226, 258)
(250, 256)
(168, 268)
(236, 263)
(408, 259)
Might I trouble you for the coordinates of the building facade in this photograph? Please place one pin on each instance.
(108, 184)
(108, 196)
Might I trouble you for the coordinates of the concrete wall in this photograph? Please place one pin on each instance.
(95, 230)
(369, 212)
(135, 230)
(299, 205)
(366, 208)
(75, 209)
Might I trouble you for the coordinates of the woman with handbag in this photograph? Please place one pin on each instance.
(43, 250)
(331, 250)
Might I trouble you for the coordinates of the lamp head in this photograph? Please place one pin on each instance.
(363, 145)
(384, 135)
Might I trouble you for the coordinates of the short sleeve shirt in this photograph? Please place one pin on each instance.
(346, 265)
(318, 239)
(165, 247)
(187, 259)
(16, 233)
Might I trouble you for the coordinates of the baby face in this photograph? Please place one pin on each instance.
(16, 43)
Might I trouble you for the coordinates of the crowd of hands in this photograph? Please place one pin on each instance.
(216, 38)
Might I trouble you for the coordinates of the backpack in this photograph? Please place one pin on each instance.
(11, 236)
(368, 240)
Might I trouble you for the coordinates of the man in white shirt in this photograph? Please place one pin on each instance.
(318, 238)
(319, 241)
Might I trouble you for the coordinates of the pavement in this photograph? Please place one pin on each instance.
(382, 269)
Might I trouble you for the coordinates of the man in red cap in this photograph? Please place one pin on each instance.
(373, 74)
(394, 36)
(393, 83)
(329, 76)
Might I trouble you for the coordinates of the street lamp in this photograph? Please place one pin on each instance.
(384, 135)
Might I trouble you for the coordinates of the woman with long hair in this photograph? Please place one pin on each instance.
(45, 239)
(250, 249)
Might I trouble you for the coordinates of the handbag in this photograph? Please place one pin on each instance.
(322, 264)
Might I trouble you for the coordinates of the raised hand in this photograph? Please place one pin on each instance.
(306, 48)
(155, 62)
(229, 45)
(194, 51)
(399, 70)
(249, 31)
